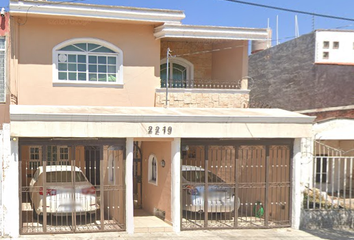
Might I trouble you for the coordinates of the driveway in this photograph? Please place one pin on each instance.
(240, 234)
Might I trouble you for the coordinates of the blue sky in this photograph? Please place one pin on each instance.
(224, 13)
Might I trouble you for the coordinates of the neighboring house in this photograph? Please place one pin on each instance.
(309, 72)
(4, 98)
(313, 74)
(90, 89)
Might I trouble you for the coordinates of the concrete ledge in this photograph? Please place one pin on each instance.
(317, 219)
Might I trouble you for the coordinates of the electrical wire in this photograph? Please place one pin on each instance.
(291, 10)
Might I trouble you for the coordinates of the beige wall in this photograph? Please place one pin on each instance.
(231, 64)
(4, 111)
(157, 196)
(33, 46)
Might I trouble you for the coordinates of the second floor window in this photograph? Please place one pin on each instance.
(87, 62)
(180, 73)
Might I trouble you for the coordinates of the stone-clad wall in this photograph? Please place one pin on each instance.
(202, 62)
(203, 100)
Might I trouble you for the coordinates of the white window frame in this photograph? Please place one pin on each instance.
(183, 62)
(119, 55)
(38, 161)
(150, 169)
(63, 160)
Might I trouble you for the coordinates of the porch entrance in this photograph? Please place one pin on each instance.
(71, 186)
(235, 184)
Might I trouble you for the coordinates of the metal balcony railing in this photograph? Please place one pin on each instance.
(202, 84)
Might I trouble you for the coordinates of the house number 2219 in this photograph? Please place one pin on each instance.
(157, 130)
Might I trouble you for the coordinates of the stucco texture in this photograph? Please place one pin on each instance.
(157, 196)
(34, 78)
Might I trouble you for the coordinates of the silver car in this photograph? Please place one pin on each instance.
(61, 195)
(220, 195)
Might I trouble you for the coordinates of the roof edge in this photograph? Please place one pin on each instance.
(210, 32)
(48, 8)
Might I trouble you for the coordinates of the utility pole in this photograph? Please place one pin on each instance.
(167, 73)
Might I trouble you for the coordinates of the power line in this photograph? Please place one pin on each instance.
(292, 10)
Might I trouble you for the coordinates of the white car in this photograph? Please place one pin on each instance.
(64, 194)
(220, 195)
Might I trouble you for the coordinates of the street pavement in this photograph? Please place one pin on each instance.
(239, 234)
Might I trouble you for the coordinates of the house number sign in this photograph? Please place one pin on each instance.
(159, 130)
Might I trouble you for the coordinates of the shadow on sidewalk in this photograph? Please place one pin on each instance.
(332, 234)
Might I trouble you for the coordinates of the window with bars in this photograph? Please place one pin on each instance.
(56, 155)
(180, 73)
(152, 174)
(88, 62)
(35, 157)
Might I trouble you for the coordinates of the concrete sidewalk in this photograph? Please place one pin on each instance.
(240, 234)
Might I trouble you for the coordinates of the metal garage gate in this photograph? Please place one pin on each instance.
(71, 186)
(253, 178)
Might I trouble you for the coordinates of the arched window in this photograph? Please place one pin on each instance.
(87, 60)
(152, 169)
(180, 70)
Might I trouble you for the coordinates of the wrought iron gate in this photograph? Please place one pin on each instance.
(235, 185)
(137, 176)
(70, 186)
(331, 182)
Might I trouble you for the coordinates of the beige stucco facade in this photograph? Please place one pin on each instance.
(34, 43)
(120, 115)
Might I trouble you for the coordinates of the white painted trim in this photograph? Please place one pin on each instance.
(176, 184)
(91, 11)
(129, 203)
(335, 129)
(183, 62)
(295, 185)
(152, 156)
(153, 114)
(70, 117)
(210, 32)
(10, 185)
(101, 42)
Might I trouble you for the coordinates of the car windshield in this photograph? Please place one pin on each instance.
(64, 176)
(199, 177)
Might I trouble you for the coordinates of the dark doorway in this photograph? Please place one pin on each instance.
(92, 164)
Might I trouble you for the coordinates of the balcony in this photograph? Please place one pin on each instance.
(203, 94)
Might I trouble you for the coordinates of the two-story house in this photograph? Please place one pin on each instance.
(99, 137)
